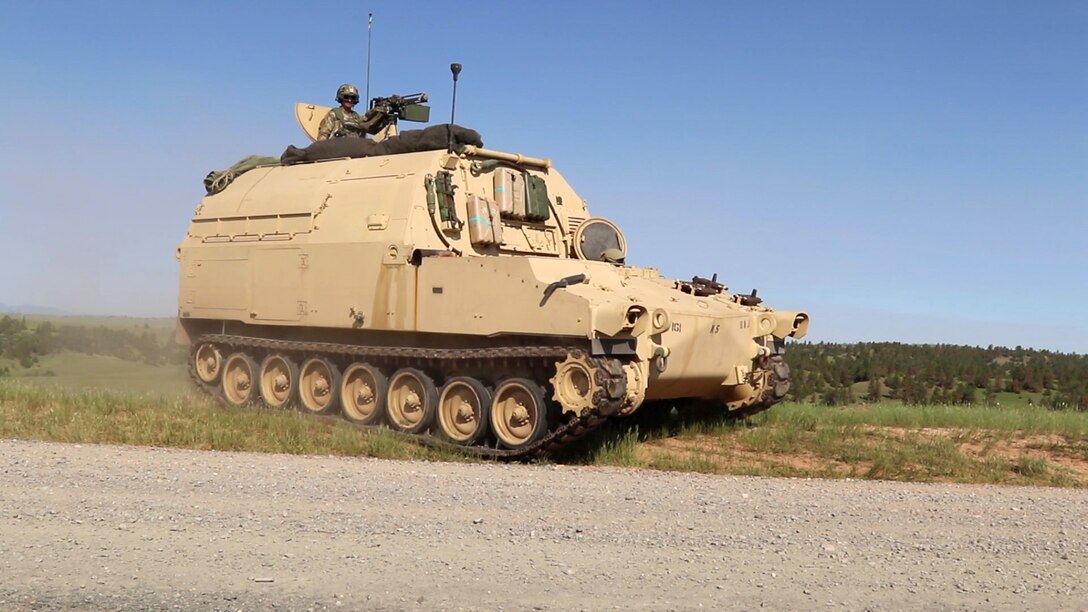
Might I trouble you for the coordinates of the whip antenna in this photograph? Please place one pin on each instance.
(369, 23)
(456, 70)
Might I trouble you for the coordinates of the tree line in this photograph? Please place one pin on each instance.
(26, 343)
(833, 374)
(825, 373)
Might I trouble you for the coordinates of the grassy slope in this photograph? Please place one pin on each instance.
(888, 441)
(100, 399)
(78, 371)
(156, 324)
(882, 441)
(109, 417)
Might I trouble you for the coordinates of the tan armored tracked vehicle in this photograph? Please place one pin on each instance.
(461, 293)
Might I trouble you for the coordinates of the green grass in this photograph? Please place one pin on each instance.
(108, 417)
(886, 441)
(75, 397)
(619, 451)
(1027, 399)
(1034, 420)
(156, 325)
(80, 371)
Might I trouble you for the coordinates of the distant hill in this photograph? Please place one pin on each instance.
(25, 339)
(839, 374)
(31, 309)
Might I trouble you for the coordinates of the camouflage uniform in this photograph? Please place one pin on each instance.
(339, 122)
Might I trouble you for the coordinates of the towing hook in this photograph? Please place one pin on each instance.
(660, 358)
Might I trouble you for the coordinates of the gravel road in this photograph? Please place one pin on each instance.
(95, 527)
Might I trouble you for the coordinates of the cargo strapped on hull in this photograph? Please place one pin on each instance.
(509, 189)
(447, 211)
(217, 181)
(520, 195)
(537, 205)
(484, 223)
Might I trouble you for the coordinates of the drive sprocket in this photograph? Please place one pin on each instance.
(575, 384)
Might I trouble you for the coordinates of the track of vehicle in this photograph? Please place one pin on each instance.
(441, 360)
(537, 360)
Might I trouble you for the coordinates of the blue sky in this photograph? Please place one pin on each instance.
(905, 171)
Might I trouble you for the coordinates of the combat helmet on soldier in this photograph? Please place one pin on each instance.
(347, 92)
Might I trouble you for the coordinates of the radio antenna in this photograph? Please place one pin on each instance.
(369, 23)
(456, 70)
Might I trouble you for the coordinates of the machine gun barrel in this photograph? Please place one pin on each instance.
(416, 98)
(390, 109)
(396, 102)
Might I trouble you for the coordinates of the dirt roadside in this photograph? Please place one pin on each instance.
(95, 527)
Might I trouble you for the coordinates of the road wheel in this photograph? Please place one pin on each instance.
(411, 400)
(519, 413)
(362, 394)
(319, 386)
(464, 408)
(239, 379)
(279, 381)
(207, 363)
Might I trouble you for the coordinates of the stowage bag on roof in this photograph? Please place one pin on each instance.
(432, 138)
(217, 180)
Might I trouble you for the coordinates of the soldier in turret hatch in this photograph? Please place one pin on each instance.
(343, 120)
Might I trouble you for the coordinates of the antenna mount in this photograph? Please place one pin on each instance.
(456, 70)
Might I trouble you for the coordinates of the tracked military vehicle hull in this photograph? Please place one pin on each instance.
(463, 296)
